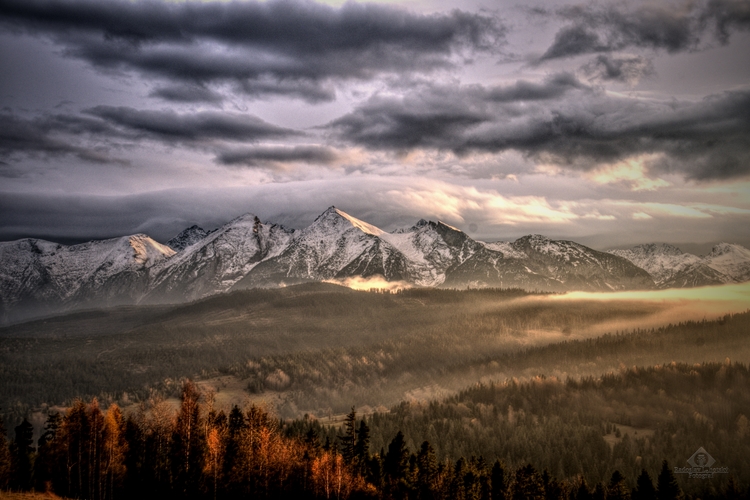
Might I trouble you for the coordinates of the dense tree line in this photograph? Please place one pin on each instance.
(624, 421)
(199, 452)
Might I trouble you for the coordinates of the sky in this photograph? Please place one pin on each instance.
(605, 122)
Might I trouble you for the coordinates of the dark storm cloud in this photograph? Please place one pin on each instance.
(264, 155)
(187, 93)
(727, 15)
(90, 136)
(168, 126)
(301, 44)
(583, 128)
(625, 69)
(40, 137)
(671, 27)
(554, 86)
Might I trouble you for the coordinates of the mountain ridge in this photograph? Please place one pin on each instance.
(39, 277)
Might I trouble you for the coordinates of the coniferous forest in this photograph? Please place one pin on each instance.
(548, 399)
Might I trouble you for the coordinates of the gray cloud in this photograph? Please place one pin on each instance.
(92, 135)
(727, 15)
(265, 155)
(625, 69)
(674, 27)
(582, 129)
(41, 137)
(203, 126)
(187, 94)
(300, 44)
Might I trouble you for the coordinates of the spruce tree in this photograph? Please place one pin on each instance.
(528, 484)
(21, 451)
(362, 448)
(497, 480)
(5, 461)
(644, 488)
(427, 464)
(48, 472)
(617, 488)
(397, 458)
(349, 439)
(667, 487)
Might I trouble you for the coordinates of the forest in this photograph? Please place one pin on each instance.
(322, 348)
(318, 391)
(551, 445)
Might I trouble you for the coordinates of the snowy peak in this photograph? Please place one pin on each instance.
(671, 267)
(187, 237)
(506, 248)
(40, 277)
(730, 259)
(333, 217)
(147, 252)
(219, 260)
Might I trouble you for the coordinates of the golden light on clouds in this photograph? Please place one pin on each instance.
(631, 172)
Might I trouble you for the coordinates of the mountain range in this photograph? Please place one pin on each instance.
(39, 277)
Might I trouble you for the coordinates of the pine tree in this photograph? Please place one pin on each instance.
(497, 479)
(48, 473)
(617, 488)
(396, 465)
(5, 460)
(667, 487)
(427, 470)
(528, 484)
(644, 489)
(583, 492)
(21, 451)
(362, 449)
(349, 439)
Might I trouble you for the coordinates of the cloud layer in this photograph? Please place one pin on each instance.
(281, 47)
(564, 122)
(672, 27)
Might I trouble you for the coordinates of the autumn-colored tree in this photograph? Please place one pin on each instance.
(188, 441)
(75, 429)
(94, 451)
(113, 452)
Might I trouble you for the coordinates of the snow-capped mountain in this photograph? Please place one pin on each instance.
(537, 262)
(335, 245)
(187, 237)
(731, 260)
(216, 262)
(670, 267)
(39, 277)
